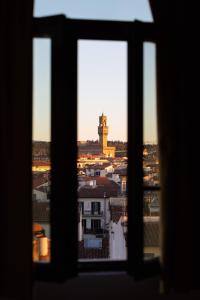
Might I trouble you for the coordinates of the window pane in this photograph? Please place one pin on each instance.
(151, 224)
(151, 167)
(102, 150)
(41, 165)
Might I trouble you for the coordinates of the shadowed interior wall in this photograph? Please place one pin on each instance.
(174, 134)
(15, 150)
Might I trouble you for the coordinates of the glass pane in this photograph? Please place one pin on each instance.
(151, 166)
(128, 10)
(41, 165)
(151, 221)
(102, 150)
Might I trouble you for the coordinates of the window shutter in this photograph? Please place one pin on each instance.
(137, 266)
(64, 34)
(63, 202)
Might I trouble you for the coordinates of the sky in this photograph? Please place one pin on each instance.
(102, 71)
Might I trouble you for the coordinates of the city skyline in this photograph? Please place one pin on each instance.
(102, 81)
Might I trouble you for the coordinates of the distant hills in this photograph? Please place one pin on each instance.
(42, 148)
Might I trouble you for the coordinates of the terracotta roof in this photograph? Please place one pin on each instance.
(103, 181)
(98, 192)
(104, 188)
(37, 163)
(39, 179)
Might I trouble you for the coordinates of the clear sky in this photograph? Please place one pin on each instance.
(102, 71)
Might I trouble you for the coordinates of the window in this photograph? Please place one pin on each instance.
(96, 208)
(95, 225)
(82, 206)
(64, 34)
(41, 158)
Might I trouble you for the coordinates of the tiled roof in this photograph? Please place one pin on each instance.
(104, 181)
(39, 179)
(98, 192)
(104, 188)
(37, 163)
(41, 212)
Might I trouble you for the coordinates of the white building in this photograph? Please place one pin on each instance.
(94, 215)
(41, 193)
(117, 239)
(118, 228)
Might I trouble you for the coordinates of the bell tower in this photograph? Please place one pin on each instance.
(103, 131)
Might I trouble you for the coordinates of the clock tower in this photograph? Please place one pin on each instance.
(103, 131)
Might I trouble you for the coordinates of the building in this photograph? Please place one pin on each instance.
(94, 201)
(103, 137)
(118, 228)
(94, 211)
(100, 148)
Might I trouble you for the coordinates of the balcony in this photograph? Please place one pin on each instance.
(92, 213)
(94, 231)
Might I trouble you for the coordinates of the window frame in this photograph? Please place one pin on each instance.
(64, 34)
(96, 208)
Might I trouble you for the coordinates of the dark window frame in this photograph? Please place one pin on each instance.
(94, 222)
(96, 207)
(64, 34)
(84, 225)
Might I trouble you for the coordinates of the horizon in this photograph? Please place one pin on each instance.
(145, 143)
(102, 77)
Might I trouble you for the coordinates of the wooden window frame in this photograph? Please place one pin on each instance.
(64, 34)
